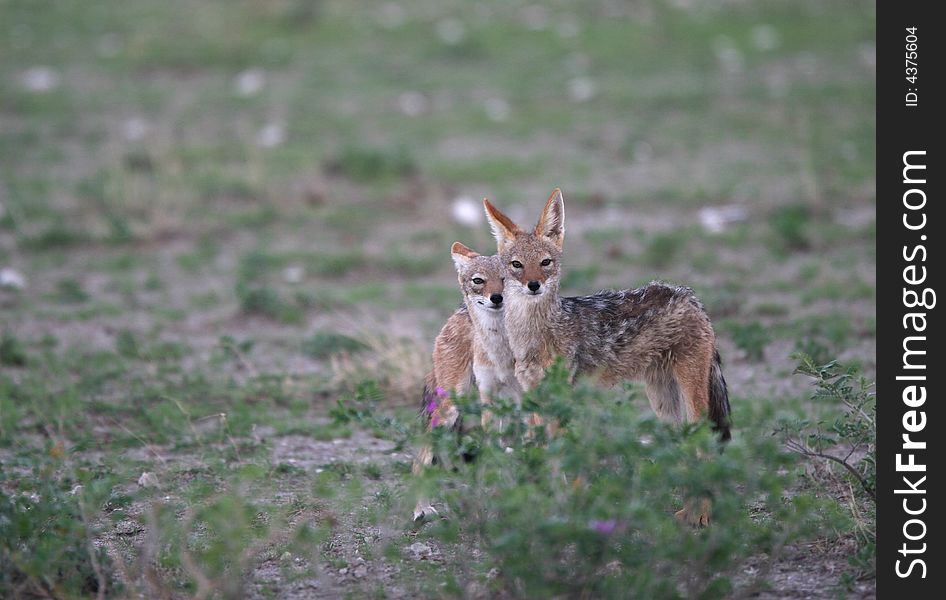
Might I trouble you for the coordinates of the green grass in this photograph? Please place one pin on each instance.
(188, 277)
(12, 352)
(325, 343)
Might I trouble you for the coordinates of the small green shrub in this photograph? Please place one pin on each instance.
(45, 540)
(323, 344)
(69, 291)
(845, 443)
(372, 164)
(126, 344)
(589, 512)
(56, 236)
(852, 433)
(337, 264)
(663, 248)
(815, 347)
(751, 338)
(790, 225)
(12, 352)
(266, 301)
(257, 294)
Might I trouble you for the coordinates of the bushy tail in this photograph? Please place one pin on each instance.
(719, 399)
(429, 395)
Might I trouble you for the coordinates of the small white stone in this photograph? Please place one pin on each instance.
(413, 104)
(271, 135)
(11, 278)
(728, 55)
(466, 211)
(497, 109)
(134, 129)
(450, 31)
(148, 479)
(714, 219)
(293, 274)
(581, 89)
(249, 82)
(765, 37)
(419, 550)
(40, 79)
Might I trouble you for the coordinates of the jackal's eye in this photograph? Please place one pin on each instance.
(546, 262)
(516, 264)
(479, 280)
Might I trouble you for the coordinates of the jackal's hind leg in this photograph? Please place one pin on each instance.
(695, 512)
(692, 376)
(663, 392)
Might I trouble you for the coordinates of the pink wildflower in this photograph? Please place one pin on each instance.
(441, 392)
(605, 527)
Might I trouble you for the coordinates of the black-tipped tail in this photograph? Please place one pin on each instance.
(719, 399)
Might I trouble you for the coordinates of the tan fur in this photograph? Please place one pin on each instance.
(472, 341)
(453, 363)
(493, 362)
(652, 334)
(452, 371)
(658, 334)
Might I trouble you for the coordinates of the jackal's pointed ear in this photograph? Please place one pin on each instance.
(462, 255)
(504, 230)
(551, 223)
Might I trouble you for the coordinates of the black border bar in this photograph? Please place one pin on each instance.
(909, 261)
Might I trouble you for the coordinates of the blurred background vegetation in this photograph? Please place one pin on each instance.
(216, 217)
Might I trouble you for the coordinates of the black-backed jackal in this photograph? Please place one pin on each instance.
(658, 334)
(472, 342)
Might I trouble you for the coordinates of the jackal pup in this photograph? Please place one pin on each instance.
(482, 279)
(474, 336)
(659, 334)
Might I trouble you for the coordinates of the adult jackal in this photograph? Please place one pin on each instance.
(659, 334)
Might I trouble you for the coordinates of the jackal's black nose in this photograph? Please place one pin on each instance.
(496, 298)
(534, 286)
